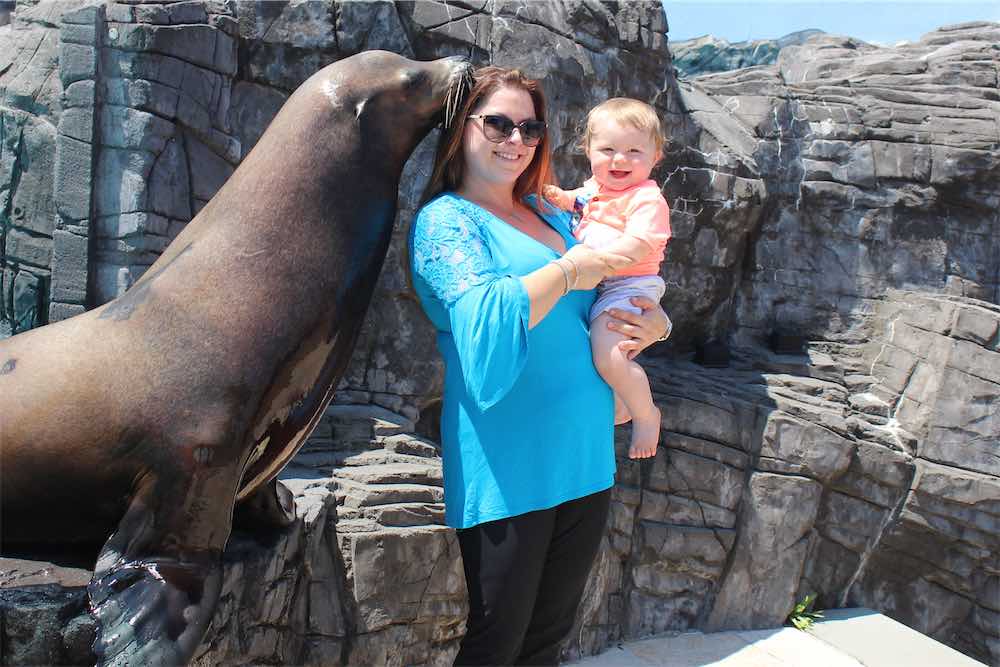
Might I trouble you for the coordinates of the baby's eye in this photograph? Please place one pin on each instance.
(635, 150)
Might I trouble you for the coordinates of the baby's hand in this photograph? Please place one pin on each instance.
(561, 198)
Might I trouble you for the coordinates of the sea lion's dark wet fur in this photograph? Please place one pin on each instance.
(149, 416)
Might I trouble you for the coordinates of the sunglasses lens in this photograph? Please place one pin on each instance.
(497, 128)
(532, 131)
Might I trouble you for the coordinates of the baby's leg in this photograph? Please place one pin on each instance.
(630, 385)
(622, 415)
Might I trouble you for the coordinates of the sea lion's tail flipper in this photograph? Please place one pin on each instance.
(269, 508)
(153, 597)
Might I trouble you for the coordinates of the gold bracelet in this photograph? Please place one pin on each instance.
(666, 334)
(565, 276)
(576, 272)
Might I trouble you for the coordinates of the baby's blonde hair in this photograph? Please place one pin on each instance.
(625, 111)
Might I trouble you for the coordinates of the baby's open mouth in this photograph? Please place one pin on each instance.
(619, 173)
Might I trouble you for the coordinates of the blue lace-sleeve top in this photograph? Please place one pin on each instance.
(526, 422)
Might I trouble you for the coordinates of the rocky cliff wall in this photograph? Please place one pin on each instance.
(834, 204)
(707, 54)
(844, 198)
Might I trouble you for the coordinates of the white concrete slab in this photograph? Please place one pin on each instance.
(843, 638)
(794, 648)
(783, 647)
(876, 640)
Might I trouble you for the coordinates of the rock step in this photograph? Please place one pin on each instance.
(354, 494)
(391, 473)
(407, 443)
(329, 460)
(378, 456)
(395, 515)
(383, 421)
(347, 527)
(356, 426)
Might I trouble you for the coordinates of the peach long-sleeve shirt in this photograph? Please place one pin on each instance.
(640, 211)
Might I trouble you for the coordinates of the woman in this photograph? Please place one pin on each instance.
(527, 423)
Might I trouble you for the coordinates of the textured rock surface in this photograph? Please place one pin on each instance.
(707, 54)
(778, 478)
(802, 192)
(43, 618)
(30, 106)
(846, 195)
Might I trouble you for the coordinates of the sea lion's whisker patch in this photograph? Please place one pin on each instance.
(459, 86)
(8, 366)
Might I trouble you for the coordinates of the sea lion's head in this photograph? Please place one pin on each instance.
(395, 100)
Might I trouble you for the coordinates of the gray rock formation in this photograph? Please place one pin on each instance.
(788, 475)
(802, 192)
(846, 196)
(708, 54)
(43, 617)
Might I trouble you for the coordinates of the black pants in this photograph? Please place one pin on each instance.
(526, 575)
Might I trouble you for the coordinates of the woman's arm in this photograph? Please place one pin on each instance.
(545, 286)
(580, 268)
(643, 330)
(630, 246)
(468, 295)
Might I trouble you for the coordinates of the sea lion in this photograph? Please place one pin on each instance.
(148, 417)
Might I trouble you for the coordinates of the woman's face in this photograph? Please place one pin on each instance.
(498, 164)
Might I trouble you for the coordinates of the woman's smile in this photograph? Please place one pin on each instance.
(508, 156)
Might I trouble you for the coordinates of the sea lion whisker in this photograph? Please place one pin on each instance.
(447, 104)
(459, 86)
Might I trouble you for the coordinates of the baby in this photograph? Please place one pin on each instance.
(623, 212)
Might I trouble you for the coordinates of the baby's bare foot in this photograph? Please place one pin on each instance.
(645, 435)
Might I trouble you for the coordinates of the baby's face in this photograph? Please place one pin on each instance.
(620, 155)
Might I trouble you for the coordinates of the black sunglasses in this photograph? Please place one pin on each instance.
(499, 128)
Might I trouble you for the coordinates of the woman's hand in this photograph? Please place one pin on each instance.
(642, 330)
(592, 266)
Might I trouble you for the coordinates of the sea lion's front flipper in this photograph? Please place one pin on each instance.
(271, 507)
(154, 611)
(153, 595)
